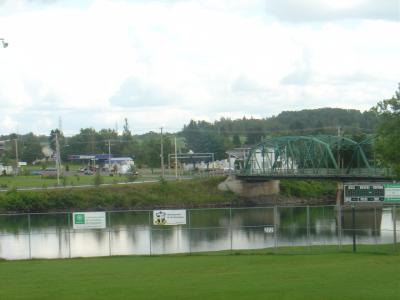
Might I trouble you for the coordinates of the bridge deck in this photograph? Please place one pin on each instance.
(341, 177)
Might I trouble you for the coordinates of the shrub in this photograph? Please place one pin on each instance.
(97, 179)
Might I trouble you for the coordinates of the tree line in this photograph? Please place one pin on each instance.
(217, 137)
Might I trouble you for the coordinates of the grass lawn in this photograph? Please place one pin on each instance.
(220, 276)
(38, 181)
(21, 181)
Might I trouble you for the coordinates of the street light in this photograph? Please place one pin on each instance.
(4, 43)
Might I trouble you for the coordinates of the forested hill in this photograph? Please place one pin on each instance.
(202, 136)
(199, 136)
(312, 121)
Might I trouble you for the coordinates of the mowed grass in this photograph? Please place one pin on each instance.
(245, 276)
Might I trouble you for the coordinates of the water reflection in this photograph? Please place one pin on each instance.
(51, 235)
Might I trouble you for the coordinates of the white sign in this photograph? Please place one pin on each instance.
(392, 192)
(169, 217)
(269, 229)
(89, 220)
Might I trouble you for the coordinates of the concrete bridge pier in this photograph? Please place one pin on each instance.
(250, 189)
(339, 193)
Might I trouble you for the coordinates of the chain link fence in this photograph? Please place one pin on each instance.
(281, 229)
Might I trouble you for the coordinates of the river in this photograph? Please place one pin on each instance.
(131, 232)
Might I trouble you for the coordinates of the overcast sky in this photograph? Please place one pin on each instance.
(162, 63)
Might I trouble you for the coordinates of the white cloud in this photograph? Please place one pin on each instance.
(322, 10)
(165, 62)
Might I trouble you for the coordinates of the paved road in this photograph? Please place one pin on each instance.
(92, 185)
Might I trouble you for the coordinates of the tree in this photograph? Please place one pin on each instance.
(236, 140)
(202, 137)
(388, 136)
(254, 135)
(31, 148)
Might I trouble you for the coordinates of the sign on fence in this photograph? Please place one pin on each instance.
(89, 220)
(363, 192)
(169, 217)
(392, 192)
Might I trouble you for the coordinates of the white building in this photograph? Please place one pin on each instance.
(120, 165)
(6, 170)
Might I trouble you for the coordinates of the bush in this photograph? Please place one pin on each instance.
(97, 179)
(193, 192)
(308, 188)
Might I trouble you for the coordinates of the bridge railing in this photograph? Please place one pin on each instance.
(362, 172)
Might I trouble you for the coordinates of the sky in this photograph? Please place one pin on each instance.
(92, 63)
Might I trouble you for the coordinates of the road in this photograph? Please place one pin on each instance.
(92, 185)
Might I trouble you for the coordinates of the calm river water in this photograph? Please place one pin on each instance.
(130, 232)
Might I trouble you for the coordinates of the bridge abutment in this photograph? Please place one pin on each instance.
(250, 189)
(339, 193)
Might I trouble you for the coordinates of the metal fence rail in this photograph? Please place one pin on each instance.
(277, 228)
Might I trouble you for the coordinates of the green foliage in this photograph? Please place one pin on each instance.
(98, 179)
(236, 140)
(308, 188)
(204, 137)
(192, 193)
(132, 174)
(388, 138)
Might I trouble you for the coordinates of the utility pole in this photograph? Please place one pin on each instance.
(58, 159)
(109, 156)
(176, 162)
(162, 153)
(4, 43)
(16, 157)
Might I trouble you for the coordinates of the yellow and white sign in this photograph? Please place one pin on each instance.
(169, 217)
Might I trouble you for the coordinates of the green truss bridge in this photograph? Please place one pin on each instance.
(313, 157)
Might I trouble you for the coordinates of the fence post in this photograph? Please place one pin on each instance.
(109, 233)
(394, 227)
(29, 235)
(353, 214)
(375, 230)
(190, 234)
(150, 233)
(230, 227)
(275, 227)
(339, 222)
(69, 215)
(308, 228)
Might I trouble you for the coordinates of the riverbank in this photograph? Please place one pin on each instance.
(185, 193)
(200, 192)
(245, 275)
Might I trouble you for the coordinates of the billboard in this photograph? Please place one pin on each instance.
(169, 217)
(392, 192)
(89, 220)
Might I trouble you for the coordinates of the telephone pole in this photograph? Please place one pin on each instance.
(4, 43)
(162, 153)
(16, 157)
(58, 159)
(176, 162)
(338, 146)
(109, 156)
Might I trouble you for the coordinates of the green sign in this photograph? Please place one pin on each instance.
(79, 218)
(392, 192)
(89, 220)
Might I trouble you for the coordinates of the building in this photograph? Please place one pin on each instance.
(120, 165)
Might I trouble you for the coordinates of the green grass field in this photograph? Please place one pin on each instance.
(220, 276)
(78, 178)
(21, 181)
